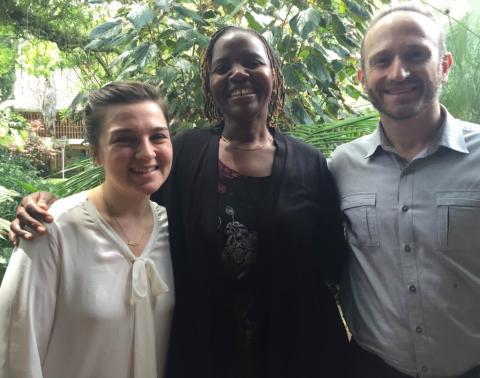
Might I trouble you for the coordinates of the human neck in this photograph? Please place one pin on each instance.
(246, 132)
(411, 136)
(121, 204)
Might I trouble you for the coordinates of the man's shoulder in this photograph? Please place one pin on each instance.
(471, 134)
(358, 147)
(469, 127)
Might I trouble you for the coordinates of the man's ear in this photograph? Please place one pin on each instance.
(360, 77)
(446, 65)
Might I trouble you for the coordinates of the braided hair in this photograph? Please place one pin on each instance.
(275, 105)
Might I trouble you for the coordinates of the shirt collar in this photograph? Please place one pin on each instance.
(449, 135)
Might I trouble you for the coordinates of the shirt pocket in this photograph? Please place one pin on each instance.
(361, 218)
(458, 221)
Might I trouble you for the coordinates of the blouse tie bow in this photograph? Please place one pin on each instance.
(145, 274)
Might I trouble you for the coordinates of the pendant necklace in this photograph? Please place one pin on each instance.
(130, 243)
(253, 148)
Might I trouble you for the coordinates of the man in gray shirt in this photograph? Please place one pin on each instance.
(410, 193)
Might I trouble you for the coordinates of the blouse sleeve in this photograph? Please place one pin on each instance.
(27, 307)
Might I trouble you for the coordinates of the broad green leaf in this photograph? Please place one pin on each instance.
(182, 45)
(143, 54)
(163, 5)
(293, 76)
(357, 9)
(183, 65)
(316, 64)
(201, 39)
(268, 35)
(185, 12)
(127, 73)
(106, 30)
(167, 75)
(300, 114)
(140, 15)
(338, 25)
(94, 45)
(353, 91)
(252, 23)
(305, 22)
(122, 58)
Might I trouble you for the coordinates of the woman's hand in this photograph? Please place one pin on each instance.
(32, 212)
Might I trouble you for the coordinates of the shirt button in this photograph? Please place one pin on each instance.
(418, 329)
(424, 369)
(404, 208)
(407, 248)
(412, 288)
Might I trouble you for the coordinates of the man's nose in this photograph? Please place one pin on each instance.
(398, 70)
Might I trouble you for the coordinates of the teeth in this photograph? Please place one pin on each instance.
(400, 90)
(241, 92)
(143, 170)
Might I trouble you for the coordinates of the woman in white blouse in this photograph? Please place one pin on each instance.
(94, 298)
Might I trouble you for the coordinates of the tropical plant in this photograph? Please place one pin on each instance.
(13, 129)
(162, 41)
(330, 135)
(18, 177)
(461, 94)
(8, 55)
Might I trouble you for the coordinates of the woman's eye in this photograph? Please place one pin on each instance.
(124, 140)
(220, 69)
(159, 137)
(253, 63)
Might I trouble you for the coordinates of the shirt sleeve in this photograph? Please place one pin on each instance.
(27, 307)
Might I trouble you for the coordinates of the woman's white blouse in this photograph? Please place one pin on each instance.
(78, 304)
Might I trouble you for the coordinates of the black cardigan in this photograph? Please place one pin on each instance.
(306, 245)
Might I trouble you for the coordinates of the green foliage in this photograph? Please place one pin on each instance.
(13, 129)
(161, 42)
(89, 176)
(8, 55)
(330, 135)
(18, 177)
(461, 94)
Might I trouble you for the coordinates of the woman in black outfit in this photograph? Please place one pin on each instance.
(255, 231)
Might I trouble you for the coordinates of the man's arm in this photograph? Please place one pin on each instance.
(32, 212)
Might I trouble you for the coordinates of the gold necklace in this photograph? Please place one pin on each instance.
(130, 243)
(255, 148)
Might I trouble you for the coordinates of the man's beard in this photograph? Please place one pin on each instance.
(430, 93)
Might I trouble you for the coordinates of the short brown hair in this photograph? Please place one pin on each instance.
(117, 93)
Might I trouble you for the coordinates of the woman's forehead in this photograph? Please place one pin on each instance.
(238, 42)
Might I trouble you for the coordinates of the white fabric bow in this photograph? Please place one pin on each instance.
(145, 274)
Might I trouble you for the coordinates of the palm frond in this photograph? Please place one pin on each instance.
(327, 136)
(90, 176)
